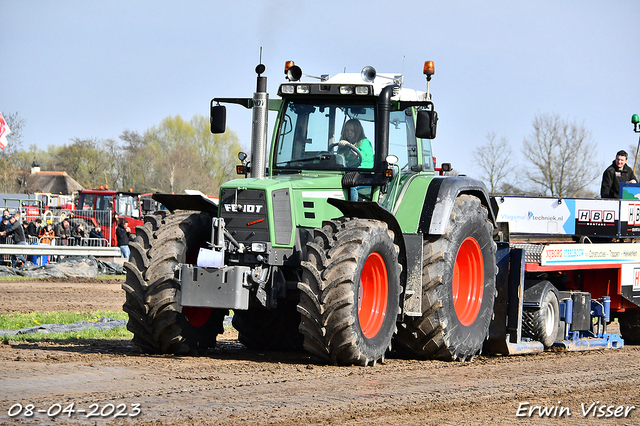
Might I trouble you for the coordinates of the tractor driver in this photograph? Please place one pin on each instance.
(353, 135)
(353, 139)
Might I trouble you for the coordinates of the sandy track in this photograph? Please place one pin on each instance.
(232, 385)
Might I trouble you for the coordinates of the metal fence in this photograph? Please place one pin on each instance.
(89, 219)
(58, 241)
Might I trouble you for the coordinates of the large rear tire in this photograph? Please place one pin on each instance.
(160, 325)
(458, 288)
(630, 327)
(350, 291)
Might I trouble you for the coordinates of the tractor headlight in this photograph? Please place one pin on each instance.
(346, 90)
(287, 89)
(258, 247)
(303, 88)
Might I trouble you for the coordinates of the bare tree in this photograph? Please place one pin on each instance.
(511, 189)
(562, 156)
(494, 160)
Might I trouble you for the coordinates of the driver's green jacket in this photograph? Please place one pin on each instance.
(366, 151)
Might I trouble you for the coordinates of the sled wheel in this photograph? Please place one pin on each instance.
(350, 291)
(458, 288)
(159, 324)
(630, 327)
(541, 323)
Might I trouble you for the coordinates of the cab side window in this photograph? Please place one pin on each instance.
(402, 140)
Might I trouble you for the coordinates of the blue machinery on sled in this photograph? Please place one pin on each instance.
(582, 321)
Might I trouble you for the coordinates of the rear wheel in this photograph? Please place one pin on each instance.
(458, 288)
(350, 290)
(157, 320)
(630, 327)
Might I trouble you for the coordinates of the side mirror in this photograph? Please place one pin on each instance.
(218, 118)
(426, 124)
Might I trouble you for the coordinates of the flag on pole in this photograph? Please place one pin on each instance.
(4, 132)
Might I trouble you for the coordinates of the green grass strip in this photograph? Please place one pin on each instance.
(33, 319)
(19, 320)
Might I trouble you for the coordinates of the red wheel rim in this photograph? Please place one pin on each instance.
(197, 317)
(468, 281)
(373, 295)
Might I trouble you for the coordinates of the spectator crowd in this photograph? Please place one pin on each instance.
(13, 230)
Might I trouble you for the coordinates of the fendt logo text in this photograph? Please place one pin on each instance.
(243, 208)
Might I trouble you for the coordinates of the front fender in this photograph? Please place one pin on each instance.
(369, 210)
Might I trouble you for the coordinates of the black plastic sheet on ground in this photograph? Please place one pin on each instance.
(69, 267)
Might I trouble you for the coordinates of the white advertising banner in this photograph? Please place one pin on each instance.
(590, 254)
(570, 216)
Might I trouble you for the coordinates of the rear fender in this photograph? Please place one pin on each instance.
(442, 194)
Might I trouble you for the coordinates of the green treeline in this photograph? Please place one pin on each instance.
(170, 157)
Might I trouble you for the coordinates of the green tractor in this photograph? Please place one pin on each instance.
(344, 239)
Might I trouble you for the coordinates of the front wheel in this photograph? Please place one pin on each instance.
(160, 325)
(350, 291)
(458, 288)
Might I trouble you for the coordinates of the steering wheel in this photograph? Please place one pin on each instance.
(353, 149)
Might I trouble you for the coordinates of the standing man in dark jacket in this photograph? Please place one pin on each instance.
(123, 233)
(17, 231)
(618, 172)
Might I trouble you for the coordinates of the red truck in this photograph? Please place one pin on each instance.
(103, 207)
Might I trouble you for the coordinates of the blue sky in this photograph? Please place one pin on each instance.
(95, 68)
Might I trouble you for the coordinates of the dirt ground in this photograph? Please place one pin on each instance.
(233, 385)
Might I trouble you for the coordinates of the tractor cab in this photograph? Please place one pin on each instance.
(364, 126)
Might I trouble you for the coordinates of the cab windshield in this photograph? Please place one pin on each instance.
(127, 205)
(310, 137)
